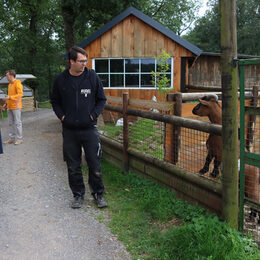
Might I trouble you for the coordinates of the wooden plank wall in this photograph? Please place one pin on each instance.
(206, 71)
(133, 38)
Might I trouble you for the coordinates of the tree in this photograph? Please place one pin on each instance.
(206, 32)
(28, 44)
(81, 18)
(36, 34)
(175, 14)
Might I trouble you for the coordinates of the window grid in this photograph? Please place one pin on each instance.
(139, 73)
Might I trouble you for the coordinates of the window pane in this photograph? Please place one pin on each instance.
(104, 79)
(169, 68)
(116, 81)
(169, 77)
(147, 65)
(146, 81)
(132, 81)
(116, 65)
(101, 66)
(132, 65)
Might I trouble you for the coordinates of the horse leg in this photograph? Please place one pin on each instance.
(215, 171)
(206, 165)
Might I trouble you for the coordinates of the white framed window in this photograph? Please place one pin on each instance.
(118, 73)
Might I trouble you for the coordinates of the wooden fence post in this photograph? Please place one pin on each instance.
(177, 129)
(125, 132)
(228, 41)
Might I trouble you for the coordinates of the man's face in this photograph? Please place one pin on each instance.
(78, 66)
(9, 77)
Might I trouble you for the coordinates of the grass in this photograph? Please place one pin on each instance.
(142, 135)
(111, 130)
(45, 105)
(153, 224)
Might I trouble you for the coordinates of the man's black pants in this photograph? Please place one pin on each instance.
(73, 141)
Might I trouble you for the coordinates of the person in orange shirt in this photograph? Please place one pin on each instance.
(14, 105)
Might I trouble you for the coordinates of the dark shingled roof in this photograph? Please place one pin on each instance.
(131, 10)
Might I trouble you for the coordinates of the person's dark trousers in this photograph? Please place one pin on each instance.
(73, 141)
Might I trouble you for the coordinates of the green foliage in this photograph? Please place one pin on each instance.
(206, 33)
(140, 208)
(159, 77)
(28, 43)
(33, 37)
(4, 115)
(45, 105)
(142, 213)
(175, 14)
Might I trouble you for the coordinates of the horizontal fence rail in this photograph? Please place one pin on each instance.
(199, 95)
(163, 145)
(175, 120)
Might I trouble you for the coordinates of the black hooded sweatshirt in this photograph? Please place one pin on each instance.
(78, 97)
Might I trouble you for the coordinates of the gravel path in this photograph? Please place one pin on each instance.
(36, 221)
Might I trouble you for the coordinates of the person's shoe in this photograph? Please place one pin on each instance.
(9, 141)
(77, 202)
(18, 142)
(101, 203)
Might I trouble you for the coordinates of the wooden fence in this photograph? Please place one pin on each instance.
(186, 185)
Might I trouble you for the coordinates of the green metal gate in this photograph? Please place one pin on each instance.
(249, 71)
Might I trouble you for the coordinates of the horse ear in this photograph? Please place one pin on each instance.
(213, 99)
(203, 102)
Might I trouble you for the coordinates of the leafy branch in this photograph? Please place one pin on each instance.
(159, 77)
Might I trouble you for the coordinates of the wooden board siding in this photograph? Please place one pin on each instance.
(139, 33)
(206, 71)
(106, 43)
(117, 40)
(133, 38)
(128, 39)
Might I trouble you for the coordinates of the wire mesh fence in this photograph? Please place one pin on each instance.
(156, 138)
(193, 150)
(148, 136)
(187, 148)
(250, 149)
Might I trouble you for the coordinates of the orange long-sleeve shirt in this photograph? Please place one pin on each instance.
(15, 92)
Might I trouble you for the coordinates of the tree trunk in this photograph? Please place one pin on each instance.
(68, 15)
(229, 111)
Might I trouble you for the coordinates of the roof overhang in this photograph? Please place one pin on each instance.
(21, 77)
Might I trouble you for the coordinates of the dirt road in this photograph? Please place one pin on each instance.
(36, 221)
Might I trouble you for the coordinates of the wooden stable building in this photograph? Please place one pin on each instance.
(123, 54)
(205, 73)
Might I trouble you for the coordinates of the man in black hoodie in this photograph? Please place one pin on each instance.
(78, 99)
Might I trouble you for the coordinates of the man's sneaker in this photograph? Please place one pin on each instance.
(77, 202)
(101, 203)
(10, 141)
(18, 142)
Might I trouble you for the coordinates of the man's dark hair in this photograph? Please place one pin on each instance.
(11, 72)
(73, 53)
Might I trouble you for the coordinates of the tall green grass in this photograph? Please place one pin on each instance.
(144, 216)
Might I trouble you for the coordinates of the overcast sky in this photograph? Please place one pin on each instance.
(203, 8)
